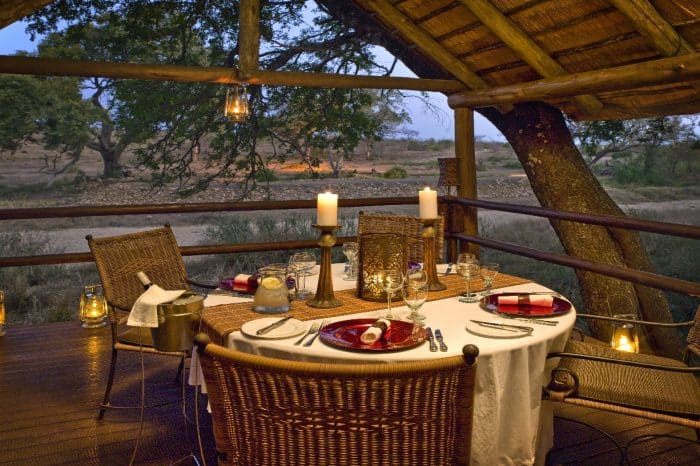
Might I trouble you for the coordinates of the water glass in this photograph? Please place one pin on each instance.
(301, 264)
(390, 281)
(468, 268)
(351, 249)
(489, 271)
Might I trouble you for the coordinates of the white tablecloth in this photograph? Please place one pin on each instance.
(512, 425)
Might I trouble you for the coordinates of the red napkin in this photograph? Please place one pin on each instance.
(242, 283)
(526, 300)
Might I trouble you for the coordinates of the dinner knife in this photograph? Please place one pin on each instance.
(431, 339)
(441, 341)
(273, 326)
(511, 328)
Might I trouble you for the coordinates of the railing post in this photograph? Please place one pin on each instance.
(466, 172)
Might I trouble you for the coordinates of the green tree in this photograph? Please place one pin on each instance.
(164, 121)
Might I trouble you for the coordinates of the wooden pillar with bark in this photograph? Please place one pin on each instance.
(466, 171)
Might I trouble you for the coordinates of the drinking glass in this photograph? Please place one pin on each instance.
(489, 270)
(390, 281)
(350, 250)
(415, 293)
(301, 263)
(468, 268)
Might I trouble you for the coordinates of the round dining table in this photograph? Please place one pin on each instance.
(512, 425)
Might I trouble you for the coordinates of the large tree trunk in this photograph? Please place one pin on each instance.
(561, 180)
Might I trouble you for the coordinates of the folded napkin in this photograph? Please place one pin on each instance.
(241, 283)
(526, 300)
(144, 313)
(374, 333)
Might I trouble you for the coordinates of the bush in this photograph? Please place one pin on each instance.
(265, 175)
(395, 172)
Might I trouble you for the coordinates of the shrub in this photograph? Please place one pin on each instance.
(265, 175)
(395, 172)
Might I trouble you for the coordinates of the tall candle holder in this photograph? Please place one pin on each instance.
(324, 297)
(428, 234)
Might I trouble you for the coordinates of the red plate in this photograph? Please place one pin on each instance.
(559, 306)
(346, 335)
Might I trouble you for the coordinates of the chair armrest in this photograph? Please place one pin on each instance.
(624, 362)
(638, 322)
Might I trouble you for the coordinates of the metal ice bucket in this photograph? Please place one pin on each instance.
(178, 322)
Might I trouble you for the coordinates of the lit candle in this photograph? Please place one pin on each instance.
(427, 201)
(624, 341)
(327, 209)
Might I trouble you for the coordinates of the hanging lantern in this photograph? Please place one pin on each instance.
(93, 307)
(236, 108)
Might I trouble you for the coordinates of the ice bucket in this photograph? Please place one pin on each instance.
(178, 322)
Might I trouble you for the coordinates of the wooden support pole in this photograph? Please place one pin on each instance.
(466, 172)
(650, 73)
(249, 36)
(219, 75)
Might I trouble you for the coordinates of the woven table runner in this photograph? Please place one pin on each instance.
(219, 321)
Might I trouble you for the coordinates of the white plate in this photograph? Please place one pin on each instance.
(493, 332)
(290, 328)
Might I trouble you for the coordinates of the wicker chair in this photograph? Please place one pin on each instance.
(118, 258)
(268, 411)
(642, 385)
(410, 227)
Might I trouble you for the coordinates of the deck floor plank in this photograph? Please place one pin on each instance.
(52, 380)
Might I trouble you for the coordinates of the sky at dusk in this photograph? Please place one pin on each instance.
(427, 124)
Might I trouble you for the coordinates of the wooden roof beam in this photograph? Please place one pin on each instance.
(14, 10)
(527, 49)
(652, 25)
(218, 75)
(393, 18)
(683, 68)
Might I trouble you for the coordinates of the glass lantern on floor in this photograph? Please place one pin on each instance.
(93, 307)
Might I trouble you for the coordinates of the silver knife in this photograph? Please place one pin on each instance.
(273, 326)
(510, 328)
(441, 341)
(431, 339)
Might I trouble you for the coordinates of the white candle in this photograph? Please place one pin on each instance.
(327, 209)
(427, 202)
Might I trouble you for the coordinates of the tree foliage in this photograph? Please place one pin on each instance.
(164, 121)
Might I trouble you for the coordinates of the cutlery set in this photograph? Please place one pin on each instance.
(314, 330)
(506, 327)
(432, 338)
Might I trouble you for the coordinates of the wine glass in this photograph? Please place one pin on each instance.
(390, 281)
(468, 268)
(415, 293)
(300, 263)
(489, 270)
(350, 250)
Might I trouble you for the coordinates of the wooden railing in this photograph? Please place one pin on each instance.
(632, 275)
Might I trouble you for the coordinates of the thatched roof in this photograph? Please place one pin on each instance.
(495, 43)
(513, 50)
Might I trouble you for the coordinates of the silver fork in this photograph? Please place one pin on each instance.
(312, 329)
(318, 331)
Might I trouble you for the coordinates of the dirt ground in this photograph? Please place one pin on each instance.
(26, 181)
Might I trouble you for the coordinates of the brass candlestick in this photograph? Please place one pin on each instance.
(324, 297)
(428, 234)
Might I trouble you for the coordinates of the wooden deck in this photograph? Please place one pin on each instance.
(52, 379)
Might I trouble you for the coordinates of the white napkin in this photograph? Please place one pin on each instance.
(374, 333)
(144, 313)
(218, 299)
